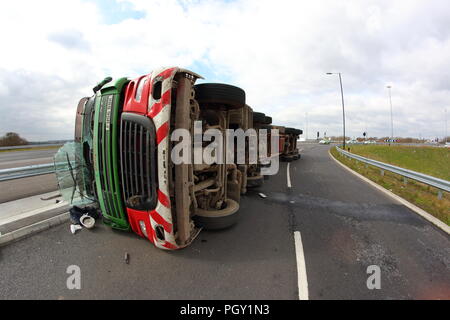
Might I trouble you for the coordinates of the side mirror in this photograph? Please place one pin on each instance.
(101, 84)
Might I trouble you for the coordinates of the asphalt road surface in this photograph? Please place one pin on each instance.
(345, 226)
(26, 187)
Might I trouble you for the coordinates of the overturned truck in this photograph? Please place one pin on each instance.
(125, 132)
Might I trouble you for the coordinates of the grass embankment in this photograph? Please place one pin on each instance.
(28, 149)
(428, 160)
(433, 161)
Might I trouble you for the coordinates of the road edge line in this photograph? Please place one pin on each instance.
(302, 279)
(289, 185)
(33, 229)
(438, 223)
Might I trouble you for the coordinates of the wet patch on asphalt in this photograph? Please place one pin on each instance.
(395, 213)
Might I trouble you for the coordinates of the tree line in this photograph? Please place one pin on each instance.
(12, 139)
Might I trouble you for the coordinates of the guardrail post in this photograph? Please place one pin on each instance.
(382, 172)
(440, 194)
(405, 180)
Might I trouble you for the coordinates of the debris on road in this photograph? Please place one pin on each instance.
(75, 227)
(87, 221)
(262, 195)
(76, 213)
(127, 258)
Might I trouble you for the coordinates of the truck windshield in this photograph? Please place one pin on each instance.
(72, 174)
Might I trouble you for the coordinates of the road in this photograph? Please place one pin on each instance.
(22, 188)
(345, 226)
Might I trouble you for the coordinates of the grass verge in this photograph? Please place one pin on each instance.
(421, 195)
(433, 161)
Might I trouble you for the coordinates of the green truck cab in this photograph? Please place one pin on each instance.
(109, 100)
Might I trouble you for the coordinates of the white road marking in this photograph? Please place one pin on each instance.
(301, 268)
(288, 175)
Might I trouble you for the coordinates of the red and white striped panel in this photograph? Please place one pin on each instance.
(159, 111)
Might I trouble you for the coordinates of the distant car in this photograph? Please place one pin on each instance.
(324, 141)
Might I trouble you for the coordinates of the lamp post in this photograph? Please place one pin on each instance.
(445, 138)
(343, 109)
(392, 121)
(306, 133)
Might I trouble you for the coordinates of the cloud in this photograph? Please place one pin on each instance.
(278, 52)
(70, 39)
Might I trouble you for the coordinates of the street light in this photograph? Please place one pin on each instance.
(306, 133)
(392, 121)
(445, 138)
(342, 96)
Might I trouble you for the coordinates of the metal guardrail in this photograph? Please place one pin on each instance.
(32, 146)
(25, 172)
(426, 179)
(31, 171)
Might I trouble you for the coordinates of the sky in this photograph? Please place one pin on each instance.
(54, 52)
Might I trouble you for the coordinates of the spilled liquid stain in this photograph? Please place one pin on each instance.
(358, 211)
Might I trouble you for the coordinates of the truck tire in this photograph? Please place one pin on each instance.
(254, 182)
(266, 126)
(290, 131)
(217, 219)
(287, 158)
(268, 120)
(294, 131)
(259, 117)
(220, 94)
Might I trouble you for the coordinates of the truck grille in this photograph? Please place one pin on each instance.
(138, 161)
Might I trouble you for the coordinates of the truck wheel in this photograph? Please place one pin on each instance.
(266, 126)
(268, 120)
(254, 182)
(259, 117)
(220, 94)
(290, 131)
(287, 158)
(217, 219)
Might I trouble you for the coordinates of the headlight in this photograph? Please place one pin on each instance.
(143, 228)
